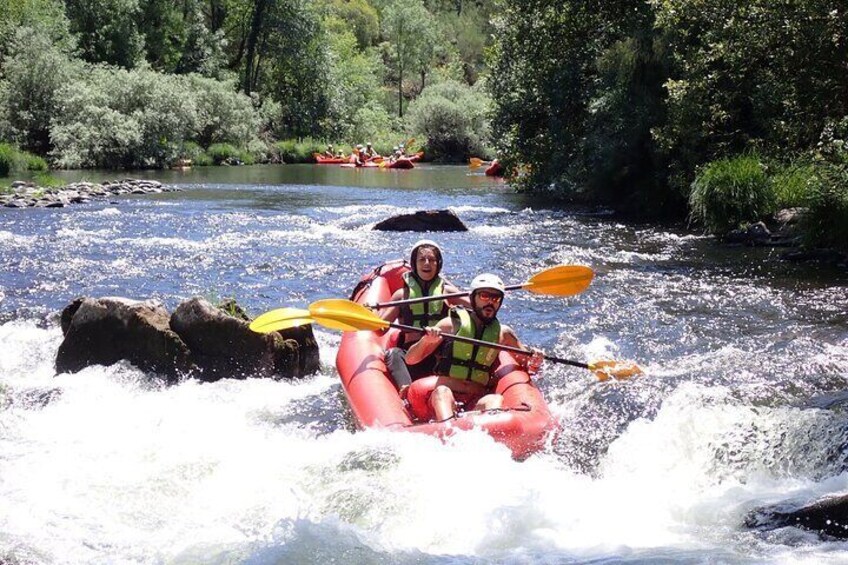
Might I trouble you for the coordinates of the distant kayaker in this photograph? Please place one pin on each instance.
(370, 154)
(465, 370)
(329, 152)
(357, 157)
(423, 280)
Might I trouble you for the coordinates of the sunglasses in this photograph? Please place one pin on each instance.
(490, 296)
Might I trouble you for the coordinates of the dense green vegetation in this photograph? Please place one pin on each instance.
(717, 111)
(656, 105)
(143, 83)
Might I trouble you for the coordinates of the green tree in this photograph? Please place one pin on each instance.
(33, 73)
(453, 117)
(107, 30)
(412, 34)
(46, 15)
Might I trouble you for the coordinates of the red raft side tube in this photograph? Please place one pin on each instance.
(523, 425)
(495, 169)
(322, 160)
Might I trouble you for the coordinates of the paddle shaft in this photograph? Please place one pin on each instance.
(509, 348)
(437, 297)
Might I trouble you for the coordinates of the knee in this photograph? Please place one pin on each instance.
(394, 357)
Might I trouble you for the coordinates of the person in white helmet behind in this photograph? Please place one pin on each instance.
(466, 371)
(424, 279)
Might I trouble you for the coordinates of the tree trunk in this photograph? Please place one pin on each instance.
(252, 40)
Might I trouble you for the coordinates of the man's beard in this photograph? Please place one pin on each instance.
(486, 313)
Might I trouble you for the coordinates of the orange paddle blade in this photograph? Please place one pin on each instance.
(604, 370)
(562, 280)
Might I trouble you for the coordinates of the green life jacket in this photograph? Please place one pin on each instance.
(422, 314)
(469, 361)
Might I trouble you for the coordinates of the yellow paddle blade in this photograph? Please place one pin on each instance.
(475, 162)
(280, 319)
(563, 280)
(340, 314)
(604, 370)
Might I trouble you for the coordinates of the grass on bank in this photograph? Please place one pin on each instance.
(732, 192)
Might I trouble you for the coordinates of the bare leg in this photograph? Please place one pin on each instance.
(443, 403)
(489, 402)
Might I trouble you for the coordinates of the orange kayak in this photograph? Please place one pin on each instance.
(524, 424)
(322, 160)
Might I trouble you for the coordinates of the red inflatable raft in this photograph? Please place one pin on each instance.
(495, 169)
(323, 160)
(523, 424)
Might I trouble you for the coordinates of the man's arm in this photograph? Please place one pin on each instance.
(531, 363)
(429, 342)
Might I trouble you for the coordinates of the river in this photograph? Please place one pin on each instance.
(741, 352)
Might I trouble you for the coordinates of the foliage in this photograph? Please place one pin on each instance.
(47, 17)
(794, 184)
(116, 118)
(108, 30)
(295, 151)
(826, 222)
(358, 17)
(453, 117)
(413, 34)
(228, 153)
(730, 192)
(7, 159)
(34, 73)
(747, 74)
(14, 160)
(578, 89)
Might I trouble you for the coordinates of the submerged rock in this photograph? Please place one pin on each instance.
(423, 220)
(827, 517)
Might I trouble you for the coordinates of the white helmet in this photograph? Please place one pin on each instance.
(425, 243)
(488, 281)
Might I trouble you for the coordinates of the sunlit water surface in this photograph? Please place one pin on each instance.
(743, 354)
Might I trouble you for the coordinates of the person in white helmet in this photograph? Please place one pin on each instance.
(423, 280)
(465, 370)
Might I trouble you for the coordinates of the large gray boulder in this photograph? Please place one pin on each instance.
(103, 331)
(223, 346)
(423, 220)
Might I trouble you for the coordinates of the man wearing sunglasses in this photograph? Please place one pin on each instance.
(466, 370)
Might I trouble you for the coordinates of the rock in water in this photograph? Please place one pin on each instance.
(423, 220)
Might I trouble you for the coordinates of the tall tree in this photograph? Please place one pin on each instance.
(412, 33)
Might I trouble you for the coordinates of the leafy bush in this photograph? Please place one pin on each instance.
(730, 192)
(793, 185)
(12, 159)
(7, 159)
(826, 222)
(453, 118)
(116, 118)
(220, 152)
(35, 163)
(35, 73)
(300, 151)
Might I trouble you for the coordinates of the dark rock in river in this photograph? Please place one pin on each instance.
(199, 340)
(222, 345)
(106, 330)
(423, 220)
(827, 517)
